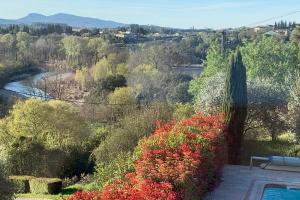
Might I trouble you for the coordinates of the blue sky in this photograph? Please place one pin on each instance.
(171, 13)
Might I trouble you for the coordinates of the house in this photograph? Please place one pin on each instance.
(193, 70)
(262, 29)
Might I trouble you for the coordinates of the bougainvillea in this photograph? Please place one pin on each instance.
(178, 161)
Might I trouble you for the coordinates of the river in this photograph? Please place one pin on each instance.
(28, 86)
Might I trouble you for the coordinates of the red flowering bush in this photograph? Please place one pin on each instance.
(132, 188)
(188, 154)
(84, 196)
(179, 161)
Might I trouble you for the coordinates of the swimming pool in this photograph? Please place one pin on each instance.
(280, 192)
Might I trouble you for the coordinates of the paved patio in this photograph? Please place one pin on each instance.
(241, 183)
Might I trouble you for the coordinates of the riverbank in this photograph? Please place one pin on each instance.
(19, 74)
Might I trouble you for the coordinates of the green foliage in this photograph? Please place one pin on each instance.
(106, 85)
(235, 106)
(179, 94)
(7, 188)
(131, 128)
(82, 76)
(98, 135)
(267, 104)
(214, 63)
(32, 158)
(294, 107)
(113, 82)
(122, 96)
(45, 185)
(210, 97)
(21, 183)
(74, 46)
(52, 123)
(23, 45)
(295, 36)
(183, 111)
(101, 69)
(106, 173)
(264, 148)
(270, 58)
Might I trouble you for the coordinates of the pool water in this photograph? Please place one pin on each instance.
(281, 194)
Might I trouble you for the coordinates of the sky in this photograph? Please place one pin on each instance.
(215, 14)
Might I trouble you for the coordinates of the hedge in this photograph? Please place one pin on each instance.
(45, 185)
(21, 183)
(179, 161)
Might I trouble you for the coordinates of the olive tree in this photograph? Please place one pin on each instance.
(267, 103)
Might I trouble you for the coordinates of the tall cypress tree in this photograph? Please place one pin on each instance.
(235, 106)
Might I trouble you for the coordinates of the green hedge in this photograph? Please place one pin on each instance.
(21, 183)
(45, 185)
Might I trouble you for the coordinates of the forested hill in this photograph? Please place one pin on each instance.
(61, 18)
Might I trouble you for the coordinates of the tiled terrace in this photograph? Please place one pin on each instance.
(241, 183)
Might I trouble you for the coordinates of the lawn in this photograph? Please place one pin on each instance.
(66, 192)
(264, 149)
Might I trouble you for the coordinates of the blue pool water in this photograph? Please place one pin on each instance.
(281, 194)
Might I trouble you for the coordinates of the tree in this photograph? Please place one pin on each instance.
(295, 37)
(24, 47)
(235, 106)
(267, 104)
(214, 63)
(82, 76)
(101, 70)
(294, 107)
(269, 58)
(8, 45)
(76, 50)
(148, 82)
(53, 123)
(179, 94)
(6, 187)
(210, 96)
(112, 82)
(122, 96)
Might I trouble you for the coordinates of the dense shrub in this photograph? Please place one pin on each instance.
(179, 94)
(135, 189)
(84, 196)
(179, 161)
(130, 130)
(187, 155)
(21, 183)
(183, 111)
(55, 124)
(112, 82)
(32, 158)
(116, 169)
(7, 188)
(45, 185)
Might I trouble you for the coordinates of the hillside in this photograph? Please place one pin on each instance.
(61, 18)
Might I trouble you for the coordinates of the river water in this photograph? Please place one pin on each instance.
(28, 86)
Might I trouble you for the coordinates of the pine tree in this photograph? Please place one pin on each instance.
(235, 106)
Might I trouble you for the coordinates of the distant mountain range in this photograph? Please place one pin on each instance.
(61, 18)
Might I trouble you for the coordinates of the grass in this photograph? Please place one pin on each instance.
(66, 192)
(264, 149)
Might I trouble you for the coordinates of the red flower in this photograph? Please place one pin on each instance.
(175, 158)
